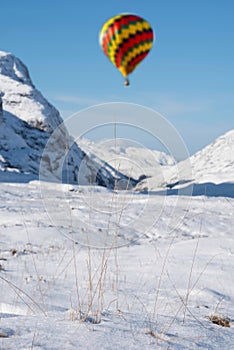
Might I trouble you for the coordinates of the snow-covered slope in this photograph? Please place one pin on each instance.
(211, 169)
(27, 122)
(215, 163)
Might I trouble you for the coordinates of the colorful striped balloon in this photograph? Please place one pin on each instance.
(126, 40)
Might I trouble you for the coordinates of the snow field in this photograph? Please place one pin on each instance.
(156, 291)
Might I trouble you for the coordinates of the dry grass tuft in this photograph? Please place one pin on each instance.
(3, 335)
(220, 320)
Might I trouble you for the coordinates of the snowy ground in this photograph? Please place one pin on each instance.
(173, 270)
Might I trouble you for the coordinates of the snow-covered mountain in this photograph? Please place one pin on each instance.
(21, 98)
(210, 169)
(27, 122)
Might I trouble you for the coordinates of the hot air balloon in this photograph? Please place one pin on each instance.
(126, 40)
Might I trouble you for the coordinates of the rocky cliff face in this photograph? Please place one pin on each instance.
(33, 139)
(21, 98)
(27, 123)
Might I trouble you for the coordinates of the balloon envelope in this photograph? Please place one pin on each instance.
(126, 40)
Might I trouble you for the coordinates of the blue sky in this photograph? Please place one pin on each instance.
(188, 76)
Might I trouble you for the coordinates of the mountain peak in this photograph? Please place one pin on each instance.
(21, 98)
(12, 67)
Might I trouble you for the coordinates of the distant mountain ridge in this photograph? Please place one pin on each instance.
(125, 155)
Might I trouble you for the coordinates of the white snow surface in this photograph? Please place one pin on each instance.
(173, 271)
